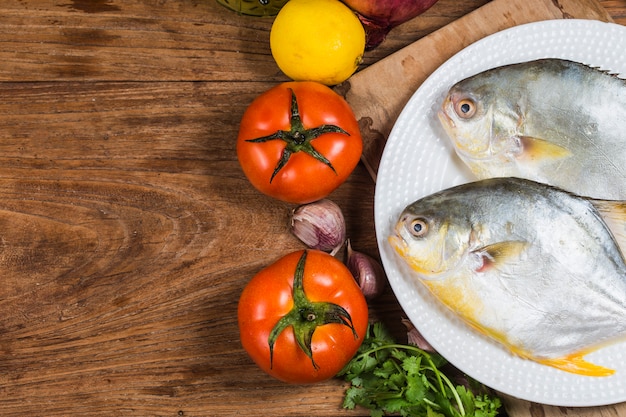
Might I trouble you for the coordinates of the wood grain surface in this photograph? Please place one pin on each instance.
(128, 229)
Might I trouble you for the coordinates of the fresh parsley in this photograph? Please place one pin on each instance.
(391, 378)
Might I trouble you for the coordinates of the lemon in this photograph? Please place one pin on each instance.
(317, 40)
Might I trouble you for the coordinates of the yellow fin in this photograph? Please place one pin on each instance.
(537, 149)
(575, 364)
(500, 252)
(614, 215)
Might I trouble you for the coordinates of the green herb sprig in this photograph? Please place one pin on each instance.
(391, 378)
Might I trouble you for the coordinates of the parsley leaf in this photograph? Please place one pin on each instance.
(391, 378)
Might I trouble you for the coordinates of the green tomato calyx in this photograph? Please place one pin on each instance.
(306, 316)
(298, 138)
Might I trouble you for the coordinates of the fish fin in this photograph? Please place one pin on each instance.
(536, 149)
(575, 364)
(500, 252)
(614, 215)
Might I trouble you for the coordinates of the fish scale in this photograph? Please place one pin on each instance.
(549, 120)
(532, 266)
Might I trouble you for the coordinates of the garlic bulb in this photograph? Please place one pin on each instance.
(320, 225)
(367, 271)
(415, 337)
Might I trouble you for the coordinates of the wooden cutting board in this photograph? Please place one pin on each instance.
(379, 93)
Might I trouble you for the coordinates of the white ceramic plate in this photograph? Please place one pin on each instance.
(418, 160)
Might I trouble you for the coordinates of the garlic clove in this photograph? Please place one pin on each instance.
(367, 271)
(415, 337)
(320, 225)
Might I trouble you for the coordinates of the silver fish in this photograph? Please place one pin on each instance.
(531, 266)
(549, 120)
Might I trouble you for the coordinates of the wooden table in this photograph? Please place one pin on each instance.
(127, 227)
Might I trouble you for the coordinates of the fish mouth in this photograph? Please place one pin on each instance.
(398, 244)
(463, 151)
(401, 247)
(449, 126)
(446, 121)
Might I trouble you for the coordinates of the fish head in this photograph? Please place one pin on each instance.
(431, 244)
(481, 121)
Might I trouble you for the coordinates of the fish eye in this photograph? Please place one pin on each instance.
(418, 227)
(465, 108)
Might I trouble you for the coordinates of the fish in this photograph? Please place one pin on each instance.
(537, 269)
(549, 120)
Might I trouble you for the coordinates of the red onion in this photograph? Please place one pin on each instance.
(380, 16)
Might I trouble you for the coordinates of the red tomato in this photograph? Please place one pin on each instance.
(302, 318)
(299, 141)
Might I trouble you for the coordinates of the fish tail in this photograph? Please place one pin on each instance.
(575, 363)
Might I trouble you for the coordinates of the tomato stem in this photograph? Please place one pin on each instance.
(298, 138)
(306, 316)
